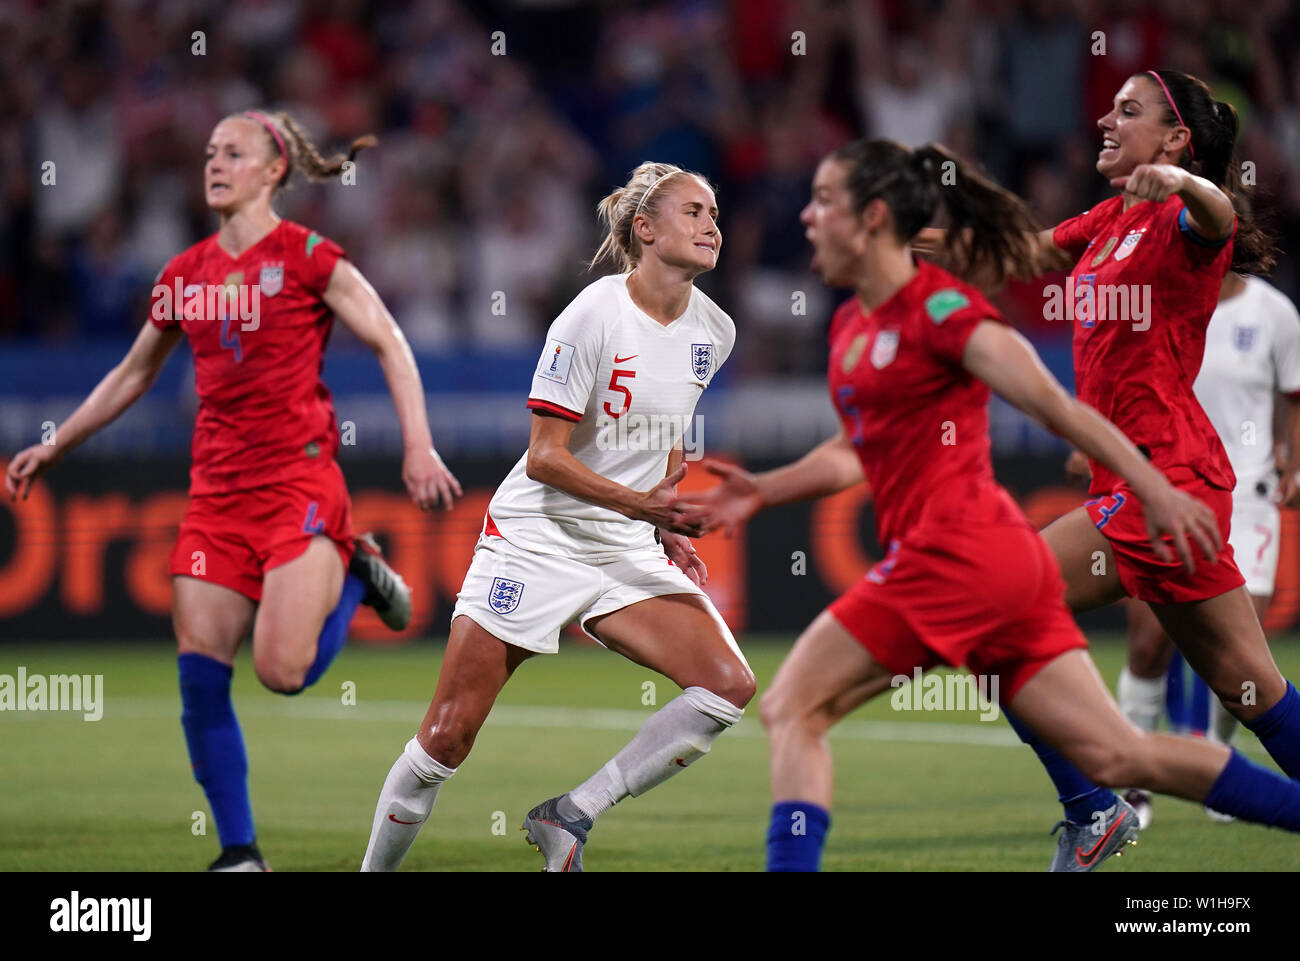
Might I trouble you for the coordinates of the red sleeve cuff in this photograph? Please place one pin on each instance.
(547, 407)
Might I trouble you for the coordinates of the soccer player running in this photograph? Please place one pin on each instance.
(573, 533)
(966, 580)
(1165, 241)
(1252, 353)
(266, 541)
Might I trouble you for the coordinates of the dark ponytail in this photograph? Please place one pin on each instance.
(990, 231)
(1213, 125)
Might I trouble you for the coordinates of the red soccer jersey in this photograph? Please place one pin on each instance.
(1141, 296)
(917, 419)
(264, 414)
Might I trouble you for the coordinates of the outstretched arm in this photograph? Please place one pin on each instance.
(356, 304)
(828, 468)
(121, 387)
(1004, 360)
(931, 243)
(1209, 211)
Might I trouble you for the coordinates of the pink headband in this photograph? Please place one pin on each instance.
(279, 141)
(1176, 113)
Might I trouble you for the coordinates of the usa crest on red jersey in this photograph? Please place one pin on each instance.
(271, 280)
(1130, 243)
(885, 349)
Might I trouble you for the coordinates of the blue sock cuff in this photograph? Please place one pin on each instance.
(1277, 716)
(200, 668)
(816, 819)
(1217, 798)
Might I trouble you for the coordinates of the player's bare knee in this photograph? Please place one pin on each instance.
(1101, 763)
(1147, 655)
(773, 709)
(280, 674)
(779, 712)
(735, 684)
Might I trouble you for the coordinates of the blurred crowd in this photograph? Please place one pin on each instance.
(501, 125)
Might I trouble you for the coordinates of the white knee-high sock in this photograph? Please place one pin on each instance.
(1223, 726)
(404, 804)
(673, 737)
(1141, 699)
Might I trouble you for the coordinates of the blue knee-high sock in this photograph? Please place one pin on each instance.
(216, 745)
(796, 835)
(1176, 695)
(1079, 796)
(335, 629)
(1278, 730)
(1200, 711)
(1254, 793)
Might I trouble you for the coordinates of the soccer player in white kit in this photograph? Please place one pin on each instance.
(581, 529)
(1252, 352)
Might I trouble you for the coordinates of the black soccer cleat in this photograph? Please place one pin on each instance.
(240, 857)
(386, 592)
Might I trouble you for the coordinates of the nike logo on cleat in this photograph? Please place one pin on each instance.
(1085, 858)
(396, 820)
(680, 761)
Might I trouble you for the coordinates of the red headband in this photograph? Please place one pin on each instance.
(1176, 113)
(270, 127)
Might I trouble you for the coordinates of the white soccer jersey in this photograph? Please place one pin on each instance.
(630, 385)
(1252, 348)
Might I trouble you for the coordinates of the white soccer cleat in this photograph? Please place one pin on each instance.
(1141, 803)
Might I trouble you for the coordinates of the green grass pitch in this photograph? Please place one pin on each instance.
(914, 791)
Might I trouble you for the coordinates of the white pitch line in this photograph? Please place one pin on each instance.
(989, 734)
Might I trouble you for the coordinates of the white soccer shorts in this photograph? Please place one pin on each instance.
(1256, 527)
(526, 598)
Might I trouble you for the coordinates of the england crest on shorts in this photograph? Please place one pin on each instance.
(1243, 338)
(504, 595)
(701, 360)
(885, 349)
(271, 281)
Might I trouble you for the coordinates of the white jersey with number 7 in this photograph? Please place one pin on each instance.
(630, 385)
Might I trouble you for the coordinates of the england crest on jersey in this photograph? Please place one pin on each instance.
(271, 281)
(1243, 338)
(885, 349)
(701, 360)
(504, 595)
(1130, 243)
